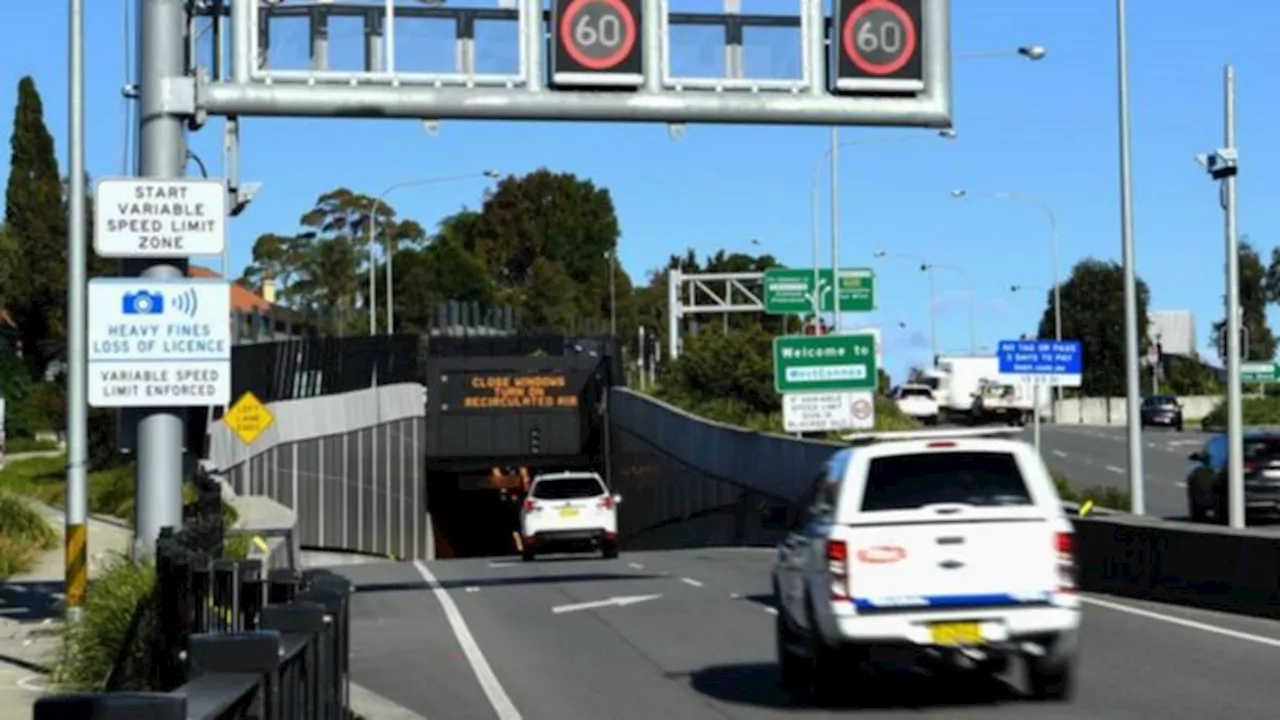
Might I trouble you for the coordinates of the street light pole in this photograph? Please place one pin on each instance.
(373, 222)
(1132, 378)
(933, 297)
(831, 158)
(973, 333)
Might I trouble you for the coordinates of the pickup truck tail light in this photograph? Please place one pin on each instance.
(1065, 546)
(838, 569)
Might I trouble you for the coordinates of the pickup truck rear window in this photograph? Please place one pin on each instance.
(917, 392)
(567, 488)
(907, 482)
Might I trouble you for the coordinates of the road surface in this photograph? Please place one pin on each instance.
(1092, 456)
(689, 635)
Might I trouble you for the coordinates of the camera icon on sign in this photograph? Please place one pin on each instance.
(142, 302)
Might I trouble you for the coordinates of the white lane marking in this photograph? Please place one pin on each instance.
(1183, 622)
(635, 566)
(1059, 453)
(691, 582)
(502, 564)
(1181, 483)
(489, 683)
(1115, 469)
(770, 610)
(620, 601)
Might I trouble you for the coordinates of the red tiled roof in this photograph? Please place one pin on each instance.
(241, 299)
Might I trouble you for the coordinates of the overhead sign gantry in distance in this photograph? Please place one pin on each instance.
(872, 62)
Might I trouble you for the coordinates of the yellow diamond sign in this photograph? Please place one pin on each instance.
(248, 418)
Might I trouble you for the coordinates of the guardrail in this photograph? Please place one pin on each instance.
(234, 645)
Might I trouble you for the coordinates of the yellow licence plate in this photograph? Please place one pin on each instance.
(568, 512)
(964, 633)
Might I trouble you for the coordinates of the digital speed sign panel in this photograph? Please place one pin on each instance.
(597, 43)
(878, 46)
(506, 392)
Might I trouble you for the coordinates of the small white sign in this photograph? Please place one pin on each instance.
(153, 218)
(159, 343)
(828, 412)
(1041, 379)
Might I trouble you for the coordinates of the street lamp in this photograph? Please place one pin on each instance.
(1053, 250)
(929, 267)
(373, 222)
(933, 316)
(1030, 52)
(832, 155)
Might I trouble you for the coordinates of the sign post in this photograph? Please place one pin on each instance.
(1040, 363)
(789, 291)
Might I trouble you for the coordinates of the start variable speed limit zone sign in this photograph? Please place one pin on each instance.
(878, 48)
(597, 44)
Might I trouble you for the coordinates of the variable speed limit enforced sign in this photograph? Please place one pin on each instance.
(878, 46)
(597, 43)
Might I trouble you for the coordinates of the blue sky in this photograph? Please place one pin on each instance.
(1047, 129)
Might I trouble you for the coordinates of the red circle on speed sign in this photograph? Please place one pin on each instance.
(848, 39)
(862, 409)
(626, 41)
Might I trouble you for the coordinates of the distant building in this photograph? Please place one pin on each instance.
(1174, 330)
(242, 300)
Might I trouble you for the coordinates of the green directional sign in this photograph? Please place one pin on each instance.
(1258, 372)
(824, 363)
(789, 291)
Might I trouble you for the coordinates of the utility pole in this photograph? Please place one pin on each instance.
(162, 153)
(77, 542)
(835, 233)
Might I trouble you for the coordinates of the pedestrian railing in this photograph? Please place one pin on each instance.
(233, 643)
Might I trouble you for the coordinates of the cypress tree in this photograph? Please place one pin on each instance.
(36, 222)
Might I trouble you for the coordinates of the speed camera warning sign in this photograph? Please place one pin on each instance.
(597, 44)
(878, 47)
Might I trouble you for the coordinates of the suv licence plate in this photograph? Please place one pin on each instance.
(952, 634)
(569, 512)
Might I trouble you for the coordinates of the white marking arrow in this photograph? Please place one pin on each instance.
(622, 601)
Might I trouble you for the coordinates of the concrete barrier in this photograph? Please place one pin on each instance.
(1205, 566)
(1112, 411)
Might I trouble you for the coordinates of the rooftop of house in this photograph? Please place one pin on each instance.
(242, 300)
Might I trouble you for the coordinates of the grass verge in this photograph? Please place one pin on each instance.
(17, 446)
(1100, 495)
(24, 534)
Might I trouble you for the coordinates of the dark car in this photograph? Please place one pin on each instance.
(1162, 410)
(1207, 483)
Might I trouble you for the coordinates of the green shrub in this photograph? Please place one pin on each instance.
(15, 387)
(17, 446)
(90, 647)
(24, 533)
(1100, 495)
(1256, 411)
(47, 403)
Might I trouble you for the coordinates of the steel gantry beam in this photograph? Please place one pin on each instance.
(692, 294)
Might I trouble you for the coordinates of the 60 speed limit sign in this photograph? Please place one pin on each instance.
(878, 46)
(597, 43)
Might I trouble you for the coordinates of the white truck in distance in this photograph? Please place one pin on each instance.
(933, 546)
(954, 379)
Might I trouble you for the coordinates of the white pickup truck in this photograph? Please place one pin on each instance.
(936, 546)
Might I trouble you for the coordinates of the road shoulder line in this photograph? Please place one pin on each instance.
(1182, 622)
(488, 680)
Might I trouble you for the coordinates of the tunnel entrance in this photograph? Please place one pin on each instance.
(474, 514)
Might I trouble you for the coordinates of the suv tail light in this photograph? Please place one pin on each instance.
(838, 569)
(1065, 546)
(530, 505)
(606, 502)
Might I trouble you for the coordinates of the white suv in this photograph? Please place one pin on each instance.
(917, 402)
(569, 510)
(945, 546)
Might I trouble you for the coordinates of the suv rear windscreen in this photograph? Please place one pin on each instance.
(916, 392)
(571, 488)
(1265, 448)
(907, 482)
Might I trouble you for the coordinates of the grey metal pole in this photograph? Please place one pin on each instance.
(391, 288)
(1235, 420)
(817, 249)
(1131, 329)
(1035, 416)
(162, 153)
(77, 552)
(835, 231)
(1057, 301)
(373, 291)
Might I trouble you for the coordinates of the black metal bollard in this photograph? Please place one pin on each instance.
(115, 706)
(333, 592)
(282, 585)
(303, 685)
(250, 594)
(173, 575)
(225, 589)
